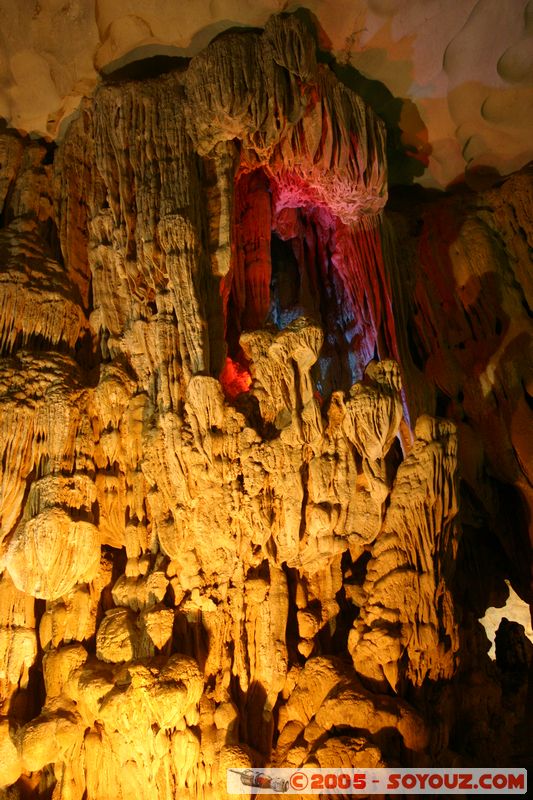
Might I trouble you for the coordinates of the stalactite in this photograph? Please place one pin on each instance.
(214, 551)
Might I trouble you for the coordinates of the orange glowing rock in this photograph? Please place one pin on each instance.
(222, 541)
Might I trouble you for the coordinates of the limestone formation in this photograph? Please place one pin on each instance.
(452, 79)
(248, 448)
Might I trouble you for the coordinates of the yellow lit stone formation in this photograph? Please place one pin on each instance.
(265, 441)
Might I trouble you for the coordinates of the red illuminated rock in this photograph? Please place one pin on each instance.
(233, 532)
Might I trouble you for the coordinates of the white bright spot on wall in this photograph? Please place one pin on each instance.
(515, 609)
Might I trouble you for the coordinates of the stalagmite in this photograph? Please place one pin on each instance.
(243, 466)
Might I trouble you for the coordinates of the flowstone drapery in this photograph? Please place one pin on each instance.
(225, 541)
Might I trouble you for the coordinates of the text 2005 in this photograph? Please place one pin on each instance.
(342, 780)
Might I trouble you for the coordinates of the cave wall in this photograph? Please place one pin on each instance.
(266, 441)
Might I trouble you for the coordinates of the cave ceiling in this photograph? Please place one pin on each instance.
(452, 77)
(266, 452)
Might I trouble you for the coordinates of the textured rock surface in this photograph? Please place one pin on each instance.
(453, 79)
(234, 531)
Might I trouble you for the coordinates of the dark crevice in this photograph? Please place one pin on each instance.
(145, 68)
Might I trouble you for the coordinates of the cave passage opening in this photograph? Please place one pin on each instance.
(292, 258)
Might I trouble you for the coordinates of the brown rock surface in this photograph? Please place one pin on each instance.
(234, 532)
(453, 79)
